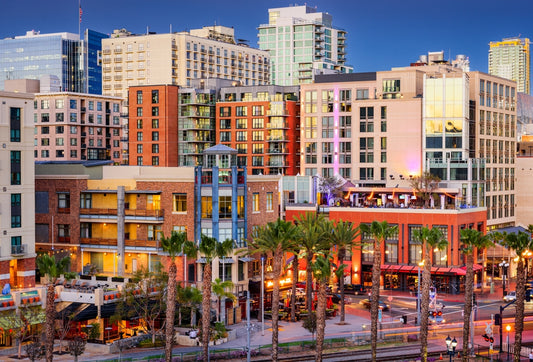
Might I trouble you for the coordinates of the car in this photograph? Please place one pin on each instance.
(510, 296)
(335, 298)
(356, 289)
(382, 305)
(436, 320)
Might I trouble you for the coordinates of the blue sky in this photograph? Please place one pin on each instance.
(381, 33)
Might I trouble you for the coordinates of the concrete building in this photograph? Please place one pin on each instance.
(302, 43)
(409, 120)
(178, 58)
(73, 62)
(511, 59)
(77, 127)
(262, 123)
(17, 201)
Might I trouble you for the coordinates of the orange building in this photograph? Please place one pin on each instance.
(401, 254)
(153, 125)
(263, 124)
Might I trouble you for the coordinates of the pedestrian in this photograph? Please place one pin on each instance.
(531, 356)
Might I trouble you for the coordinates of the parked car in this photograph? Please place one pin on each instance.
(382, 305)
(436, 320)
(356, 289)
(510, 296)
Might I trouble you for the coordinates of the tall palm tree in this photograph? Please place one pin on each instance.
(209, 248)
(496, 237)
(322, 267)
(190, 297)
(379, 231)
(274, 239)
(520, 243)
(294, 266)
(220, 288)
(52, 269)
(312, 232)
(430, 239)
(472, 239)
(342, 236)
(173, 246)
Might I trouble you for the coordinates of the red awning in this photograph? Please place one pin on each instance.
(390, 267)
(458, 271)
(477, 267)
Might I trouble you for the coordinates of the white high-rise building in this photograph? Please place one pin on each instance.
(510, 59)
(302, 43)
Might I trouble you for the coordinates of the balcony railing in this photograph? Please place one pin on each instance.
(18, 249)
(128, 212)
(113, 242)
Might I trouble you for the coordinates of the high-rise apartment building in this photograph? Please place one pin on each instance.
(262, 123)
(302, 43)
(459, 126)
(77, 127)
(178, 58)
(510, 59)
(60, 57)
(17, 201)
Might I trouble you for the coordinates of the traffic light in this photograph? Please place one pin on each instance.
(439, 313)
(474, 301)
(485, 337)
(404, 319)
(497, 320)
(434, 314)
(491, 339)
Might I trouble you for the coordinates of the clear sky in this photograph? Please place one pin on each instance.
(381, 33)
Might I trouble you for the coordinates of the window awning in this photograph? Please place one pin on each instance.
(246, 259)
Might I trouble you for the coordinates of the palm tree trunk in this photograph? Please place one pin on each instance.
(519, 317)
(275, 302)
(293, 290)
(50, 320)
(424, 304)
(469, 291)
(342, 253)
(374, 301)
(171, 311)
(309, 282)
(320, 319)
(206, 309)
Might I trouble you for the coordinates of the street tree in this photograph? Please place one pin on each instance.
(521, 243)
(76, 346)
(52, 269)
(220, 290)
(430, 239)
(378, 232)
(274, 239)
(425, 186)
(472, 240)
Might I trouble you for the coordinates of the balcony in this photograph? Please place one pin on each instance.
(131, 214)
(18, 250)
(113, 242)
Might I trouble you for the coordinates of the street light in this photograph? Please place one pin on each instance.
(262, 295)
(504, 265)
(450, 346)
(508, 329)
(418, 293)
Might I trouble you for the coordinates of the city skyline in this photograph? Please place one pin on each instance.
(381, 35)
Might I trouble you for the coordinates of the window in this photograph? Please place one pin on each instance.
(63, 233)
(241, 111)
(16, 210)
(73, 104)
(60, 117)
(60, 129)
(140, 148)
(86, 201)
(225, 136)
(258, 123)
(139, 124)
(45, 117)
(242, 136)
(60, 141)
(327, 127)
(242, 123)
(255, 202)
(45, 104)
(139, 112)
(207, 207)
(14, 131)
(139, 160)
(45, 130)
(15, 168)
(155, 123)
(179, 202)
(362, 94)
(258, 110)
(155, 148)
(154, 232)
(74, 117)
(224, 207)
(155, 136)
(155, 96)
(45, 141)
(155, 111)
(139, 136)
(63, 202)
(60, 103)
(225, 123)
(415, 248)
(155, 160)
(269, 201)
(73, 129)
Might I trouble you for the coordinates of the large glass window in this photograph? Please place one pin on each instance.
(224, 207)
(255, 202)
(415, 247)
(207, 207)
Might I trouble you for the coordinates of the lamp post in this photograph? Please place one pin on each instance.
(262, 295)
(508, 329)
(418, 294)
(450, 346)
(504, 265)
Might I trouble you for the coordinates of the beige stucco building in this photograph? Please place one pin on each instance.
(177, 58)
(17, 200)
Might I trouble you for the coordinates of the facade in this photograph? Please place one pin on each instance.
(153, 125)
(524, 172)
(62, 56)
(302, 43)
(262, 123)
(178, 58)
(401, 254)
(77, 127)
(511, 59)
(409, 120)
(76, 212)
(17, 241)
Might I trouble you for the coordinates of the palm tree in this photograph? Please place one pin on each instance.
(294, 265)
(219, 288)
(496, 238)
(472, 239)
(52, 269)
(173, 246)
(190, 297)
(520, 243)
(322, 267)
(274, 239)
(379, 231)
(209, 248)
(342, 236)
(430, 239)
(312, 234)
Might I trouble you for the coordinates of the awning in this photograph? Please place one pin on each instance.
(391, 267)
(458, 271)
(407, 268)
(246, 259)
(477, 267)
(201, 261)
(226, 260)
